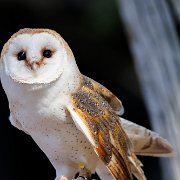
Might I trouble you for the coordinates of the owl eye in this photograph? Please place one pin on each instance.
(47, 53)
(21, 56)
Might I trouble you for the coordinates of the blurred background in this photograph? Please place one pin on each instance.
(110, 40)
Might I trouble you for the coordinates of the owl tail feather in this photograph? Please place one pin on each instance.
(136, 169)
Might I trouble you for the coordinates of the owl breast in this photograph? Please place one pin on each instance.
(54, 131)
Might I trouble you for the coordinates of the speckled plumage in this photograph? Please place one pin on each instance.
(72, 118)
(104, 127)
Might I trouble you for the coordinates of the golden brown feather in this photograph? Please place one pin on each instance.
(113, 101)
(111, 142)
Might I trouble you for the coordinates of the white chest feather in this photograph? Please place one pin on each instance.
(52, 128)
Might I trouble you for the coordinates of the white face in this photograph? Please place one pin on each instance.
(35, 58)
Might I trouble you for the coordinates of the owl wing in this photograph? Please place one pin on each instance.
(146, 142)
(97, 120)
(113, 101)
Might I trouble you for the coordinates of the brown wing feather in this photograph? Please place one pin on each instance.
(113, 101)
(111, 142)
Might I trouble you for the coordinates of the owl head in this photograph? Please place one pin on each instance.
(36, 56)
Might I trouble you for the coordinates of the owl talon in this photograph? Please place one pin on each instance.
(84, 173)
(81, 178)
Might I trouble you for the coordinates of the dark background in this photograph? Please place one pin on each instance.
(96, 35)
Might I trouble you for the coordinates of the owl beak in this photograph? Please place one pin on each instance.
(34, 66)
(33, 62)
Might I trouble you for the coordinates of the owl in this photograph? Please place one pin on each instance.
(73, 119)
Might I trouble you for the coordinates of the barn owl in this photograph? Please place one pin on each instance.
(72, 118)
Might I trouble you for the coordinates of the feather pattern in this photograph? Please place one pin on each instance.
(145, 141)
(113, 101)
(101, 125)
